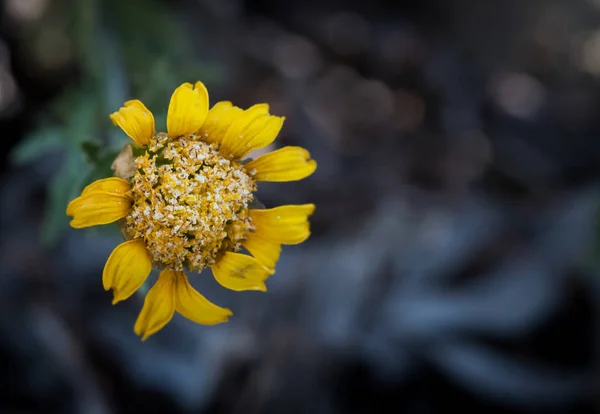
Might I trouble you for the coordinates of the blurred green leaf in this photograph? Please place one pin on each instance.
(35, 145)
(82, 124)
(62, 189)
(91, 150)
(101, 169)
(85, 33)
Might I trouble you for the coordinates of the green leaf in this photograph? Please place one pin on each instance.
(101, 169)
(92, 151)
(61, 190)
(81, 125)
(37, 144)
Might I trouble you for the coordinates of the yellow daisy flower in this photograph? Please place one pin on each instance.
(185, 203)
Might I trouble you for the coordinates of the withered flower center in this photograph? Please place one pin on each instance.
(190, 202)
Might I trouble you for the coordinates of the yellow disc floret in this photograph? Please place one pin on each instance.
(189, 202)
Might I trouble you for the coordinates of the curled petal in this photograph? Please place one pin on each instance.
(284, 164)
(113, 185)
(265, 251)
(96, 208)
(110, 185)
(252, 130)
(238, 272)
(159, 306)
(191, 304)
(136, 121)
(187, 110)
(126, 269)
(284, 224)
(218, 121)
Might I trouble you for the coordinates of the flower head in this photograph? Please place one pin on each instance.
(185, 203)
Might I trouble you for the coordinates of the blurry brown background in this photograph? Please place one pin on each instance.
(453, 262)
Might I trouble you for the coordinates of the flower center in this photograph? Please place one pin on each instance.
(190, 203)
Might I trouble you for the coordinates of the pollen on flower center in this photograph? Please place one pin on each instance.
(190, 203)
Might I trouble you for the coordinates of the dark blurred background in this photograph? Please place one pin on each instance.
(454, 257)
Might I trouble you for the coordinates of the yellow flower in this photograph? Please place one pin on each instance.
(185, 204)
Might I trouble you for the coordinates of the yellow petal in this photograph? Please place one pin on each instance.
(285, 224)
(218, 121)
(252, 130)
(126, 269)
(191, 304)
(97, 208)
(266, 252)
(113, 185)
(136, 121)
(159, 306)
(285, 164)
(237, 271)
(187, 110)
